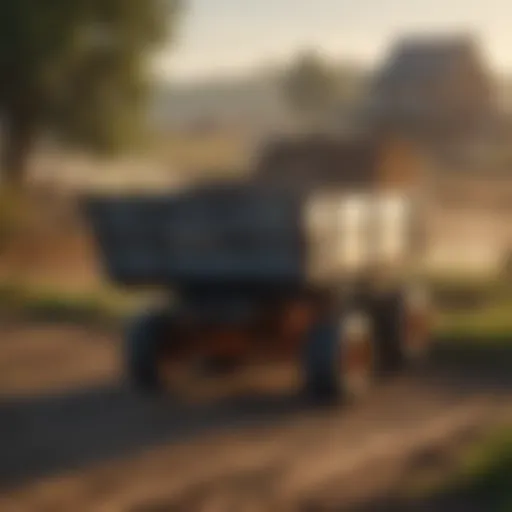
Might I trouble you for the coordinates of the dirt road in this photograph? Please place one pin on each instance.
(73, 438)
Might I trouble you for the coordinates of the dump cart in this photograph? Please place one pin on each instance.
(327, 276)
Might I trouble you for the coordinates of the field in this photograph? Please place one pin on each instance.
(73, 437)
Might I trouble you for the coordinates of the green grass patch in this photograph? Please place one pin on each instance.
(485, 475)
(476, 338)
(104, 306)
(472, 306)
(475, 293)
(490, 323)
(494, 320)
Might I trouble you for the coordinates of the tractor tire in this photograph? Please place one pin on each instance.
(143, 342)
(339, 359)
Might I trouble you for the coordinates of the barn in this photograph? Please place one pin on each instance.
(435, 86)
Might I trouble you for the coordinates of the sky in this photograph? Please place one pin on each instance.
(230, 37)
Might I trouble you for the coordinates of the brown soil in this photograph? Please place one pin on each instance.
(72, 437)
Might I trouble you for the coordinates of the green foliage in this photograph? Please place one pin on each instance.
(486, 475)
(469, 307)
(311, 85)
(77, 68)
(103, 306)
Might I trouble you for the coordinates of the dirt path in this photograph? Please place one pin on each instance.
(87, 444)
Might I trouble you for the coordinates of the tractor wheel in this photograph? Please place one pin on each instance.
(339, 359)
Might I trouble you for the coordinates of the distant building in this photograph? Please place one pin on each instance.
(433, 87)
(322, 161)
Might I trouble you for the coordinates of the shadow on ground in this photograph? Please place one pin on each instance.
(473, 364)
(489, 492)
(51, 434)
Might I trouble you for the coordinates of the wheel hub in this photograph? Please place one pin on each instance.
(357, 362)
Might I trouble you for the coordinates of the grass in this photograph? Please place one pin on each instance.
(478, 477)
(494, 321)
(484, 476)
(100, 307)
(477, 334)
(487, 320)
(472, 306)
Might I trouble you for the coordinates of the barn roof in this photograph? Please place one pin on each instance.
(329, 159)
(354, 162)
(421, 59)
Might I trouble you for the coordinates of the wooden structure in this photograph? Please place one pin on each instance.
(433, 86)
(369, 163)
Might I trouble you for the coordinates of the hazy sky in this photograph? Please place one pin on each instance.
(231, 36)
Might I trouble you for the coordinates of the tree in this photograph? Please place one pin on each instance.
(76, 69)
(311, 86)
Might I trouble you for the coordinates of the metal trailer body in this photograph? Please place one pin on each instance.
(263, 272)
(243, 234)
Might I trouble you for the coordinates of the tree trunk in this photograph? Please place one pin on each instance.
(16, 147)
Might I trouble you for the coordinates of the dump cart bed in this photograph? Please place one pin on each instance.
(201, 235)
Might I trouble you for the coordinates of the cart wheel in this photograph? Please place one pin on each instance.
(143, 342)
(404, 329)
(340, 359)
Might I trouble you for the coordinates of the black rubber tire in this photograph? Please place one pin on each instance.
(322, 357)
(389, 316)
(320, 351)
(142, 344)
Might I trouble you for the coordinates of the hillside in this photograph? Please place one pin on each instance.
(255, 100)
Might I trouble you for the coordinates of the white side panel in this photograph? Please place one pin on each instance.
(392, 228)
(349, 232)
(354, 218)
(339, 234)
